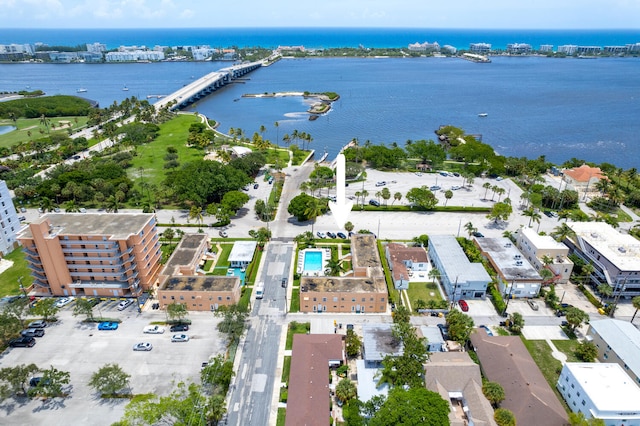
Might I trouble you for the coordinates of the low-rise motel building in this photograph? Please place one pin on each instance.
(82, 254)
(183, 281)
(364, 290)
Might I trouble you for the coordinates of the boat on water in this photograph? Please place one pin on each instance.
(483, 114)
(81, 90)
(125, 89)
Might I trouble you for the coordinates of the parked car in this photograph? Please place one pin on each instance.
(63, 302)
(443, 173)
(341, 235)
(381, 183)
(533, 304)
(435, 187)
(478, 234)
(321, 234)
(22, 218)
(455, 187)
(23, 210)
(108, 325)
(145, 346)
(179, 338)
(179, 327)
(94, 301)
(37, 324)
(331, 235)
(374, 203)
(463, 305)
(255, 186)
(35, 381)
(284, 283)
(22, 342)
(223, 234)
(124, 304)
(487, 329)
(32, 332)
(153, 329)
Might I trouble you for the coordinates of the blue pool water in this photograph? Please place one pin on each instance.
(312, 260)
(238, 273)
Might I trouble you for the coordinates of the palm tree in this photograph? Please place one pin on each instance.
(605, 291)
(46, 204)
(636, 304)
(277, 125)
(196, 213)
(532, 214)
(587, 270)
(562, 232)
(313, 210)
(493, 392)
(434, 274)
(396, 197)
(169, 235)
(335, 267)
(45, 121)
(113, 204)
(71, 207)
(486, 187)
(470, 228)
(494, 189)
(447, 196)
(346, 390)
(500, 191)
(546, 275)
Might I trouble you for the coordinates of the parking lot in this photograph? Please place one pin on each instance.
(81, 349)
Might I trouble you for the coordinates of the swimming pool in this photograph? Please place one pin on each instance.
(312, 261)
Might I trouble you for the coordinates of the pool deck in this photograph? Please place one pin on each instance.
(326, 254)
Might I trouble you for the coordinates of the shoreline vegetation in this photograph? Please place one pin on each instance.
(321, 105)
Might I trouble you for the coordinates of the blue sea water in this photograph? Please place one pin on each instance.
(315, 37)
(561, 108)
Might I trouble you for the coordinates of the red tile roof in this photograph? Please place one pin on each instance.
(308, 399)
(584, 173)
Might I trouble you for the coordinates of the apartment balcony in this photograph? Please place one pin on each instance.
(99, 284)
(30, 252)
(112, 250)
(38, 276)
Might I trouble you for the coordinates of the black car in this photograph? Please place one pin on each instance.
(284, 283)
(179, 327)
(94, 301)
(374, 203)
(23, 342)
(341, 235)
(256, 186)
(478, 234)
(331, 235)
(35, 381)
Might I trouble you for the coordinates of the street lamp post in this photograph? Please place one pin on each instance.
(455, 290)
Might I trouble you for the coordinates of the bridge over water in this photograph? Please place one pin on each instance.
(204, 86)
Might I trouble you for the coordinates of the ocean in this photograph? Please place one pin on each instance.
(560, 108)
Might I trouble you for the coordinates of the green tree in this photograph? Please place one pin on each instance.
(177, 311)
(486, 187)
(218, 374)
(313, 210)
(234, 200)
(18, 309)
(533, 215)
(546, 275)
(460, 326)
(10, 327)
(562, 232)
(448, 194)
(587, 351)
(346, 390)
(414, 406)
(335, 267)
(575, 317)
(578, 419)
(401, 314)
(110, 380)
(298, 206)
(83, 307)
(196, 213)
(422, 197)
(14, 379)
(46, 308)
(169, 234)
(504, 417)
(52, 383)
(470, 228)
(408, 368)
(605, 291)
(500, 211)
(516, 322)
(349, 226)
(233, 322)
(262, 235)
(353, 343)
(493, 392)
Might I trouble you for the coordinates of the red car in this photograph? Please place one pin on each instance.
(463, 305)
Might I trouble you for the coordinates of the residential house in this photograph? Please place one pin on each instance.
(460, 278)
(457, 379)
(505, 360)
(377, 342)
(404, 262)
(619, 342)
(601, 391)
(584, 178)
(545, 252)
(517, 278)
(242, 253)
(309, 397)
(433, 336)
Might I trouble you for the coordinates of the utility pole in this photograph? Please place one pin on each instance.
(615, 301)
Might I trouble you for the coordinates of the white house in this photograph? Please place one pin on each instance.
(538, 248)
(242, 253)
(602, 391)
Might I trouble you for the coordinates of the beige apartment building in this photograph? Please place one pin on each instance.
(365, 290)
(82, 254)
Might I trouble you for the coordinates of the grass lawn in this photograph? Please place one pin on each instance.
(423, 291)
(282, 413)
(151, 156)
(568, 347)
(296, 328)
(32, 125)
(9, 279)
(223, 260)
(286, 367)
(295, 300)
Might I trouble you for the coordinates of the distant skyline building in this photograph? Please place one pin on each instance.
(568, 49)
(9, 222)
(546, 47)
(481, 48)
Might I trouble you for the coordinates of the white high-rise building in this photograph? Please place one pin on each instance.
(9, 223)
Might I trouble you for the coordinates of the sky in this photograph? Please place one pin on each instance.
(472, 14)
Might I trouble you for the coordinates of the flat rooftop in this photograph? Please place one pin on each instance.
(364, 250)
(542, 242)
(620, 249)
(455, 262)
(113, 225)
(186, 253)
(623, 337)
(202, 283)
(506, 257)
(608, 386)
(242, 251)
(347, 284)
(378, 342)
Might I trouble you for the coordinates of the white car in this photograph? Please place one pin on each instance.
(63, 302)
(124, 304)
(153, 329)
(146, 346)
(179, 338)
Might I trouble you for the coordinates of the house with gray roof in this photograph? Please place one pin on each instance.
(460, 278)
(617, 341)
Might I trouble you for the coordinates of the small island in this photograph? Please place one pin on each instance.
(321, 106)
